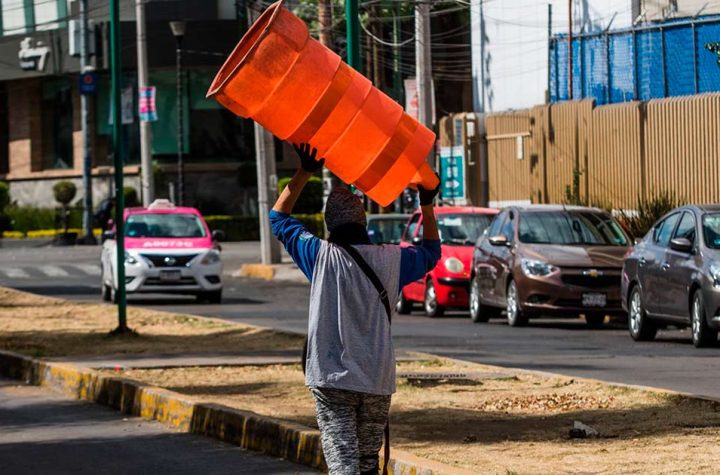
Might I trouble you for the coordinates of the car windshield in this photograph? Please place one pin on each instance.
(584, 228)
(164, 226)
(711, 229)
(462, 229)
(386, 230)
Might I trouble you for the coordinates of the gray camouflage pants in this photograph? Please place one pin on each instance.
(351, 429)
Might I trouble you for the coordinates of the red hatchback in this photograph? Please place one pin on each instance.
(446, 286)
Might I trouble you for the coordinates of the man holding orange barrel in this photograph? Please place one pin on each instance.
(349, 359)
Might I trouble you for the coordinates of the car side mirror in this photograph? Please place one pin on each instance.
(218, 235)
(108, 234)
(681, 245)
(500, 241)
(417, 240)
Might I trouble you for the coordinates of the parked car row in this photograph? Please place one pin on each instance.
(537, 260)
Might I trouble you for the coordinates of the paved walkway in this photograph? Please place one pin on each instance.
(41, 432)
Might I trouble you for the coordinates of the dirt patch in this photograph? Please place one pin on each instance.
(43, 326)
(519, 424)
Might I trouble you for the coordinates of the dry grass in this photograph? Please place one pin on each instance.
(511, 425)
(42, 326)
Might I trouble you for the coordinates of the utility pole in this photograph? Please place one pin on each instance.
(482, 57)
(266, 183)
(423, 67)
(570, 50)
(325, 20)
(116, 74)
(397, 76)
(148, 182)
(88, 237)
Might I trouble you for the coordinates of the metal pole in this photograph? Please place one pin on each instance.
(115, 67)
(88, 237)
(549, 59)
(423, 67)
(180, 122)
(570, 51)
(397, 76)
(148, 182)
(353, 33)
(482, 56)
(267, 185)
(325, 21)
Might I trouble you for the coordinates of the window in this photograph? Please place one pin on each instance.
(711, 228)
(496, 224)
(570, 228)
(686, 228)
(14, 17)
(412, 226)
(665, 229)
(164, 226)
(507, 229)
(462, 229)
(57, 123)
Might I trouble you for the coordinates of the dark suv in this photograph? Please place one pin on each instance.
(548, 260)
(673, 276)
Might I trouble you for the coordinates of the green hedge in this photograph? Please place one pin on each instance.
(32, 218)
(246, 228)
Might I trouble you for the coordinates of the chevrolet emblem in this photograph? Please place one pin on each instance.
(592, 273)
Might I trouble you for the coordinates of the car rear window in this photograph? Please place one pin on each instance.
(570, 228)
(711, 229)
(163, 225)
(462, 228)
(386, 230)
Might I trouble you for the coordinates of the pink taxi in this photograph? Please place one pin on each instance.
(168, 249)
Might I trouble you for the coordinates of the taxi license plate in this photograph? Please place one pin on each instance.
(594, 300)
(170, 276)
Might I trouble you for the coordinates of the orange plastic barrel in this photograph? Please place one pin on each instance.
(303, 92)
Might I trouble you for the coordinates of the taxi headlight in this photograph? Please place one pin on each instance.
(533, 268)
(130, 259)
(454, 265)
(212, 257)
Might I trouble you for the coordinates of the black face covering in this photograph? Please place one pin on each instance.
(349, 234)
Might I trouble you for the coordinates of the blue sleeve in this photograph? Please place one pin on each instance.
(301, 244)
(416, 261)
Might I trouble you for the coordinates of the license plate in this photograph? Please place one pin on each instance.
(594, 300)
(170, 276)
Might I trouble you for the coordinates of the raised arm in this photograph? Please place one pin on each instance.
(309, 165)
(416, 261)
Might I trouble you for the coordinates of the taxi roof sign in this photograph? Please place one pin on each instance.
(161, 204)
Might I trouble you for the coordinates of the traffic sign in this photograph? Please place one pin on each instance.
(452, 174)
(88, 83)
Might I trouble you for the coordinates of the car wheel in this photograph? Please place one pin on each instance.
(702, 334)
(515, 316)
(595, 321)
(640, 326)
(479, 313)
(213, 297)
(403, 306)
(432, 308)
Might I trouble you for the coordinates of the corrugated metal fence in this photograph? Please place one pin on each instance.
(608, 155)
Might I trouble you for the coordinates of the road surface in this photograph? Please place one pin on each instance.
(560, 346)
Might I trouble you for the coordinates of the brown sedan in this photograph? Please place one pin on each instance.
(548, 260)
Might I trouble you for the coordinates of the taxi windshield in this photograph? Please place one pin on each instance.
(163, 225)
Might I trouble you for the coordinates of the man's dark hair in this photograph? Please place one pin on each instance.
(349, 234)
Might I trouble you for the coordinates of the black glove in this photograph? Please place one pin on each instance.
(427, 196)
(308, 157)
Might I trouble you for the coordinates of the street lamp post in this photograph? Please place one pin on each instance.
(178, 31)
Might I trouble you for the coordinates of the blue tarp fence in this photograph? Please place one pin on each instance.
(646, 62)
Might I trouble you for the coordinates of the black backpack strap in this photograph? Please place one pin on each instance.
(373, 278)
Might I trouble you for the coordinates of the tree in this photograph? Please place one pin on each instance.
(64, 192)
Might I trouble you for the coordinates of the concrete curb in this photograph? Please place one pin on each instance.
(256, 271)
(288, 440)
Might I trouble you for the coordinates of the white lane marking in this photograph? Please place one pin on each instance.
(53, 271)
(15, 273)
(90, 269)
